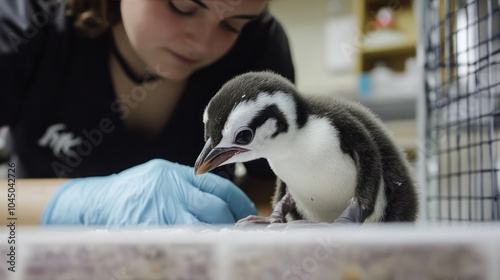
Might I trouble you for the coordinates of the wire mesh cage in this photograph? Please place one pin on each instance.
(461, 56)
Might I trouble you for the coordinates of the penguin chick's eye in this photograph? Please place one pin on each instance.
(243, 136)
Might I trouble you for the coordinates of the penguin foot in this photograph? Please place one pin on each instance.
(256, 221)
(299, 225)
(260, 220)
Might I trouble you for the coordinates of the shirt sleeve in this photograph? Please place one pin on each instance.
(274, 55)
(22, 29)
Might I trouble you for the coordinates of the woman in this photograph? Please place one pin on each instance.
(93, 88)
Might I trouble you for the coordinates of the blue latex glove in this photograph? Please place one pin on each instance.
(157, 192)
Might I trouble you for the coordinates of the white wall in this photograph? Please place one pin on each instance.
(304, 22)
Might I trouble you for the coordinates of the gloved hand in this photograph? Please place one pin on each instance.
(157, 192)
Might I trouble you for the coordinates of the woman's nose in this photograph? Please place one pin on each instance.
(199, 34)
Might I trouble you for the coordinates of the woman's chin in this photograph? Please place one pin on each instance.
(172, 73)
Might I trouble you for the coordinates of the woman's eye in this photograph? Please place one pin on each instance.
(243, 136)
(234, 26)
(229, 27)
(182, 7)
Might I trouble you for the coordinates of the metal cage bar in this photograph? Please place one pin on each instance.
(459, 155)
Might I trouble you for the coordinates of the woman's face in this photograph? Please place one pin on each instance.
(177, 37)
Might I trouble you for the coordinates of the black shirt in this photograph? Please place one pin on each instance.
(58, 99)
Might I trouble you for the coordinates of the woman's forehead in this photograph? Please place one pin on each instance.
(234, 8)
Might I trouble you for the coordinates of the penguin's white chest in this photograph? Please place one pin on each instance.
(319, 176)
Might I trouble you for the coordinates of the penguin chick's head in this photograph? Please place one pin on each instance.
(252, 116)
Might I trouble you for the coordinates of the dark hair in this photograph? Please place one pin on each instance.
(93, 17)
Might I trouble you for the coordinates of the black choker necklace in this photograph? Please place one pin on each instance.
(149, 77)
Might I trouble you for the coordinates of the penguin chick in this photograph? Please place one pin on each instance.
(334, 159)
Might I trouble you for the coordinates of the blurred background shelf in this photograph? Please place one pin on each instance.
(403, 48)
(392, 54)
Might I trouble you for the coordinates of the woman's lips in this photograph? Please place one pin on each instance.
(182, 58)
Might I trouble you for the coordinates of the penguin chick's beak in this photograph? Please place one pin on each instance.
(212, 158)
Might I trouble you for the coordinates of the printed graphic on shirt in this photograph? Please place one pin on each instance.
(60, 141)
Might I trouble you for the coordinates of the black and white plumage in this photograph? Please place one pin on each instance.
(334, 158)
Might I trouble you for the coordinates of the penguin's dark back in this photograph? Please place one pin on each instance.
(345, 114)
(348, 116)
